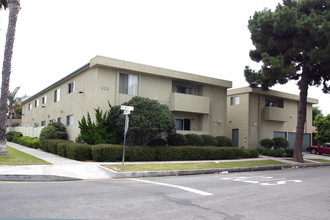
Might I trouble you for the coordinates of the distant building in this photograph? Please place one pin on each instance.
(197, 102)
(254, 114)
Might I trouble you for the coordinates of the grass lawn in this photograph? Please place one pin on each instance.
(193, 166)
(17, 157)
(321, 160)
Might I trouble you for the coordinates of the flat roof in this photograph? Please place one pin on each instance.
(84, 67)
(269, 92)
(101, 61)
(152, 70)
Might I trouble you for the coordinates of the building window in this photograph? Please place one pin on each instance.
(43, 123)
(36, 103)
(71, 87)
(59, 119)
(273, 101)
(182, 124)
(234, 100)
(128, 84)
(44, 100)
(69, 120)
(183, 89)
(30, 106)
(51, 121)
(57, 93)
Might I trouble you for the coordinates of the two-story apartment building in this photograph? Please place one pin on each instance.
(254, 114)
(197, 102)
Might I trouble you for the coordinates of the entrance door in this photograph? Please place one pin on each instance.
(235, 135)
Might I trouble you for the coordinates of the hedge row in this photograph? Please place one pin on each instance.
(192, 140)
(67, 149)
(18, 138)
(112, 153)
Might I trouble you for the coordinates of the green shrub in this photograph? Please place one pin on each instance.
(180, 153)
(113, 153)
(43, 144)
(16, 136)
(280, 142)
(289, 152)
(99, 132)
(35, 143)
(157, 142)
(77, 151)
(176, 140)
(49, 145)
(52, 147)
(209, 140)
(54, 130)
(273, 153)
(194, 140)
(61, 148)
(107, 153)
(149, 119)
(10, 135)
(223, 141)
(267, 143)
(26, 141)
(140, 153)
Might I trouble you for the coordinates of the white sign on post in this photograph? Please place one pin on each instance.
(127, 111)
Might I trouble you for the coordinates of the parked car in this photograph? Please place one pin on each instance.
(323, 149)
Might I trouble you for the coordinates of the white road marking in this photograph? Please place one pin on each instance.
(262, 180)
(176, 186)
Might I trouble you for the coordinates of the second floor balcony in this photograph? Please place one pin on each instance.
(189, 103)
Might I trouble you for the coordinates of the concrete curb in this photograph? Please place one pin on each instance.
(35, 178)
(117, 175)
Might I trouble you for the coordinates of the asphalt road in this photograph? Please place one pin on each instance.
(285, 194)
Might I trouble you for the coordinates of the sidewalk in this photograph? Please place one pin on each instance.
(64, 169)
(61, 168)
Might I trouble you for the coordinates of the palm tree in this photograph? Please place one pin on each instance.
(14, 104)
(14, 7)
(3, 4)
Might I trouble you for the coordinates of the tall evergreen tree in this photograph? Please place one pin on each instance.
(293, 44)
(14, 7)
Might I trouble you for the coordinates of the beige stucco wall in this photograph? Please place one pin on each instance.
(255, 121)
(99, 84)
(238, 118)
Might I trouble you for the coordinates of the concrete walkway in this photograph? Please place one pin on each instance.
(67, 169)
(61, 166)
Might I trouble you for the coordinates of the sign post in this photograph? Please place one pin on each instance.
(127, 111)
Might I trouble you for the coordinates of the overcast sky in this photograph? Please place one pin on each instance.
(205, 37)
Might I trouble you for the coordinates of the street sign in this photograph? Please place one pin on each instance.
(127, 111)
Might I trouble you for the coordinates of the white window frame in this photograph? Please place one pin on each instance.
(57, 95)
(69, 120)
(30, 106)
(131, 86)
(71, 87)
(44, 99)
(234, 100)
(36, 103)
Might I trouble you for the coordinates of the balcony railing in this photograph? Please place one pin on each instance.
(190, 103)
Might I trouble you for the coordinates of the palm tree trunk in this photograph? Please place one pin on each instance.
(297, 155)
(14, 7)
